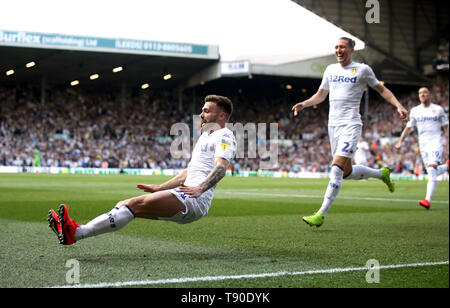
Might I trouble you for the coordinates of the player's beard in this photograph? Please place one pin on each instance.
(209, 125)
(425, 101)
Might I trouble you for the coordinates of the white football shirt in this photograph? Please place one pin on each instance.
(428, 121)
(360, 154)
(220, 143)
(346, 86)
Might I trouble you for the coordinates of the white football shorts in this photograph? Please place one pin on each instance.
(196, 208)
(344, 139)
(431, 153)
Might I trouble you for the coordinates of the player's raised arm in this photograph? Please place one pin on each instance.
(172, 183)
(390, 97)
(316, 99)
(219, 171)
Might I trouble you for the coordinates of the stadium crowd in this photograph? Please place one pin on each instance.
(76, 128)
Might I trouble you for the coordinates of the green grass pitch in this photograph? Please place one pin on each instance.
(254, 227)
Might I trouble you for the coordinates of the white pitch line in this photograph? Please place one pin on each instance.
(288, 195)
(248, 276)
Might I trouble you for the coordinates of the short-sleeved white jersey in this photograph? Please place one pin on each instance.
(346, 86)
(360, 154)
(428, 121)
(220, 143)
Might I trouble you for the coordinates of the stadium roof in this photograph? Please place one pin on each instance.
(408, 32)
(63, 58)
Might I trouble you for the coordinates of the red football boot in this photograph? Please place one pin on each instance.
(425, 203)
(68, 226)
(53, 222)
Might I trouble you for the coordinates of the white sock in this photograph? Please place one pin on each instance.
(441, 169)
(362, 172)
(334, 186)
(432, 181)
(114, 220)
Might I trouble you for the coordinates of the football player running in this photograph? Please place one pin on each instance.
(429, 119)
(183, 199)
(346, 81)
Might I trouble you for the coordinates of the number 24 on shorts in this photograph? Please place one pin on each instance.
(346, 149)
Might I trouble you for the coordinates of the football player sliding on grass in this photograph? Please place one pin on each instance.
(183, 199)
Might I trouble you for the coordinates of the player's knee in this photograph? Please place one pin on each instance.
(121, 203)
(136, 204)
(344, 163)
(348, 170)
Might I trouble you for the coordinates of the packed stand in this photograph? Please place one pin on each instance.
(76, 128)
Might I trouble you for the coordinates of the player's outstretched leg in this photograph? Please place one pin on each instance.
(112, 221)
(153, 206)
(362, 173)
(69, 232)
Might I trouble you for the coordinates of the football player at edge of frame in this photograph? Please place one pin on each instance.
(183, 199)
(429, 119)
(346, 81)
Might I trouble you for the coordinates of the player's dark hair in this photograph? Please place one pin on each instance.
(351, 42)
(429, 88)
(223, 102)
(426, 87)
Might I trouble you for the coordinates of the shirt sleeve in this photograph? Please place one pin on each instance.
(226, 146)
(370, 77)
(324, 85)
